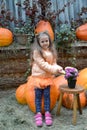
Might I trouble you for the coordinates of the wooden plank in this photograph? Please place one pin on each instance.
(11, 82)
(13, 66)
(14, 53)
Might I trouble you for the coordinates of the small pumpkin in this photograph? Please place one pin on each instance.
(30, 97)
(44, 26)
(82, 78)
(20, 94)
(81, 32)
(6, 37)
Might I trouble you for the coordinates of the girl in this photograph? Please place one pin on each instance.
(44, 68)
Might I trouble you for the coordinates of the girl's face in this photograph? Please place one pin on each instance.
(44, 42)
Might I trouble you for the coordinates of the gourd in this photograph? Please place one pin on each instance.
(6, 37)
(81, 32)
(58, 81)
(68, 100)
(20, 94)
(30, 97)
(82, 78)
(43, 26)
(25, 94)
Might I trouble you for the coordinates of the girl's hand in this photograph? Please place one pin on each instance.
(62, 71)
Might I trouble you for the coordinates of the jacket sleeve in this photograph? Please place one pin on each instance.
(45, 65)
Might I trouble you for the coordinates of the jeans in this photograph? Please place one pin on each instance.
(38, 98)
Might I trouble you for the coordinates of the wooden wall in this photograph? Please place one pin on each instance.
(77, 56)
(13, 63)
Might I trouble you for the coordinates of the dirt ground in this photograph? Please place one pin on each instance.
(14, 116)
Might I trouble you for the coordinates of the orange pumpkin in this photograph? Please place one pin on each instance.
(68, 100)
(44, 26)
(20, 94)
(82, 78)
(30, 97)
(6, 37)
(60, 80)
(81, 32)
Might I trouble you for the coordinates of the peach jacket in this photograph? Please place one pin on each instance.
(45, 65)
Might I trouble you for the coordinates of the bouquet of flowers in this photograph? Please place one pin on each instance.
(71, 73)
(71, 76)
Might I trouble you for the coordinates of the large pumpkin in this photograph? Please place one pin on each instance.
(6, 37)
(30, 97)
(58, 81)
(82, 78)
(81, 32)
(44, 26)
